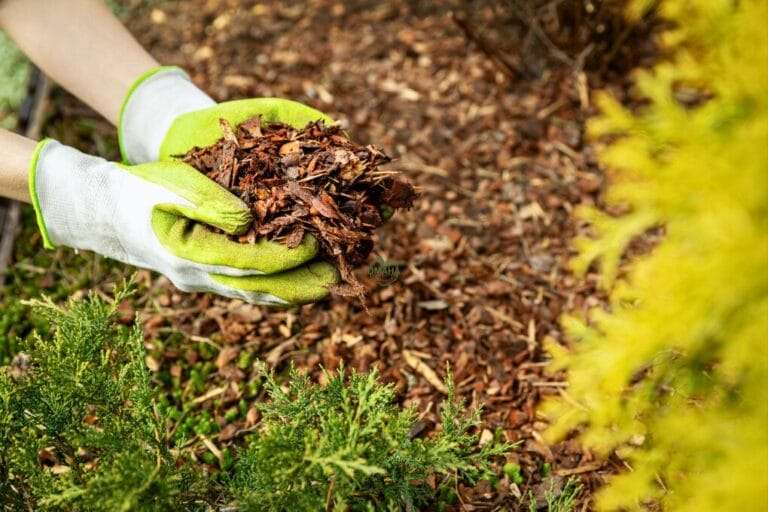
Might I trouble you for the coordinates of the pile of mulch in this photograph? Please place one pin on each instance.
(307, 181)
(497, 150)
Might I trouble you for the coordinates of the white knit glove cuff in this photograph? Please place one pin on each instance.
(152, 104)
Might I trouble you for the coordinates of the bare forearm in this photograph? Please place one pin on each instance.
(81, 45)
(15, 156)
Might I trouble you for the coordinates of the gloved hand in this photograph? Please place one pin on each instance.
(149, 215)
(165, 115)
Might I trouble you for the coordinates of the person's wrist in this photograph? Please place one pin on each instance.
(152, 104)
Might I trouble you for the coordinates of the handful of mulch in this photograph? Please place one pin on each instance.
(313, 180)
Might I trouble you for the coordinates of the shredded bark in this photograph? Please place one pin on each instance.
(313, 180)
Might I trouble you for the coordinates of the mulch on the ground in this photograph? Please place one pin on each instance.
(496, 147)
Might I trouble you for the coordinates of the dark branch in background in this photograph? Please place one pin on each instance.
(522, 11)
(10, 211)
(488, 48)
(524, 37)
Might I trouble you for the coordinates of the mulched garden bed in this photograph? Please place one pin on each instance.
(497, 149)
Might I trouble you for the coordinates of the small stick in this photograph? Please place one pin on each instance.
(487, 48)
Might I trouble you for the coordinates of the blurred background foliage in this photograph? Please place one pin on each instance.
(673, 374)
(15, 72)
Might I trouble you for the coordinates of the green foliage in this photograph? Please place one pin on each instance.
(79, 430)
(514, 472)
(674, 373)
(57, 274)
(562, 500)
(345, 445)
(14, 74)
(565, 500)
(82, 429)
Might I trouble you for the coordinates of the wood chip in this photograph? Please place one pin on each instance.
(428, 373)
(226, 356)
(433, 305)
(210, 394)
(585, 468)
(212, 447)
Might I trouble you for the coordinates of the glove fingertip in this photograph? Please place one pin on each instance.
(303, 285)
(231, 219)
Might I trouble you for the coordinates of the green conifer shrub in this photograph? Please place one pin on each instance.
(15, 71)
(82, 429)
(345, 445)
(673, 374)
(78, 424)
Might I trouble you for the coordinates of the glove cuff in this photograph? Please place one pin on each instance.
(153, 102)
(72, 194)
(33, 193)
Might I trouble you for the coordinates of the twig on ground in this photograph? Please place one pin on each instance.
(501, 61)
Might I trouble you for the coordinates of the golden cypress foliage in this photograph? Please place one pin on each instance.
(674, 373)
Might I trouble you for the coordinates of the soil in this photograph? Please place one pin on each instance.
(484, 108)
(307, 181)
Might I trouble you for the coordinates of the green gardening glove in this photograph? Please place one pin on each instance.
(165, 115)
(151, 215)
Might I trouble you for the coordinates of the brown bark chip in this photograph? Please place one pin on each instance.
(313, 180)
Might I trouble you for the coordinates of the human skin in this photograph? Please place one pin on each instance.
(82, 46)
(15, 155)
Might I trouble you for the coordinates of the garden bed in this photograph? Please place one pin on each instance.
(477, 271)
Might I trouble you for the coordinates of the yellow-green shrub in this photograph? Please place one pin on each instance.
(674, 373)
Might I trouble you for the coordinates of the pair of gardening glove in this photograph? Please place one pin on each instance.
(153, 212)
